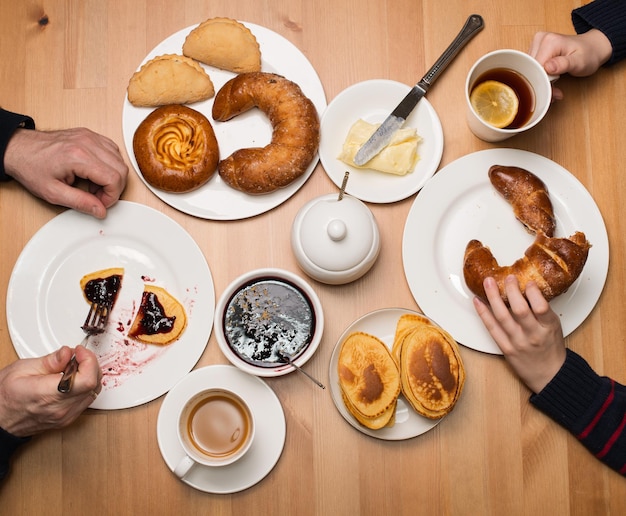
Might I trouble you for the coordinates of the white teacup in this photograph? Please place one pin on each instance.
(215, 428)
(534, 74)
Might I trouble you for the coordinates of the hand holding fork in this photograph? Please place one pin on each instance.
(95, 323)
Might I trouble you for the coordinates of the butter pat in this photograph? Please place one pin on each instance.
(398, 157)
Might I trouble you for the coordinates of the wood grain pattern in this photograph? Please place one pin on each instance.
(67, 63)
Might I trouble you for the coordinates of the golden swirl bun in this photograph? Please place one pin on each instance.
(369, 380)
(176, 149)
(552, 263)
(432, 374)
(161, 319)
(528, 196)
(295, 132)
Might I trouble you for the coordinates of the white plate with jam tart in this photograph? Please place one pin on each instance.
(46, 307)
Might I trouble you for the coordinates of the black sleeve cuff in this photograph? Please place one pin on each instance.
(609, 17)
(8, 444)
(9, 122)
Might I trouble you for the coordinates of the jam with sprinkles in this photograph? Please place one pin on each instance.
(103, 291)
(266, 316)
(153, 319)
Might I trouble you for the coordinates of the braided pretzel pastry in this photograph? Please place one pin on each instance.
(552, 263)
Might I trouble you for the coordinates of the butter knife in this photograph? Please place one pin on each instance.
(382, 136)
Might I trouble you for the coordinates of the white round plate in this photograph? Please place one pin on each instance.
(216, 200)
(460, 204)
(269, 438)
(382, 324)
(46, 307)
(373, 101)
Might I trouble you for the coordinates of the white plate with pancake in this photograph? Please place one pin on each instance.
(216, 200)
(269, 438)
(372, 101)
(460, 204)
(46, 308)
(382, 324)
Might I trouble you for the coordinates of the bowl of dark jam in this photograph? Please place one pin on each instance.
(264, 315)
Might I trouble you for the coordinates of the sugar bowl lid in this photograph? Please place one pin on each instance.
(335, 238)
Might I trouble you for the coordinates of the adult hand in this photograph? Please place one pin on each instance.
(529, 333)
(49, 163)
(29, 400)
(580, 55)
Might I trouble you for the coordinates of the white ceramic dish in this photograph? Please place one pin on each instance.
(216, 200)
(271, 367)
(373, 101)
(335, 241)
(460, 204)
(45, 305)
(409, 424)
(270, 430)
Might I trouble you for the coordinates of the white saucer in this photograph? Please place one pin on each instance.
(270, 429)
(372, 101)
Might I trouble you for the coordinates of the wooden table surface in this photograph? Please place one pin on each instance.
(67, 63)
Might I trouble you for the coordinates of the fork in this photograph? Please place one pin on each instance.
(95, 323)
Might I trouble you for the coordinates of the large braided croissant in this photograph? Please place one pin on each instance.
(552, 263)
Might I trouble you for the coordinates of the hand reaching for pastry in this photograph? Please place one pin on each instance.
(529, 333)
(29, 400)
(48, 164)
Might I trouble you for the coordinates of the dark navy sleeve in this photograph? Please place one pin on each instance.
(9, 122)
(590, 406)
(609, 17)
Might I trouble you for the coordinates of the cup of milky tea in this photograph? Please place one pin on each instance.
(215, 428)
(507, 92)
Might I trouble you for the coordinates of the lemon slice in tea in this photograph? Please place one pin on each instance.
(495, 102)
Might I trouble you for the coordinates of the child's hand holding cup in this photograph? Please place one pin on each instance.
(507, 92)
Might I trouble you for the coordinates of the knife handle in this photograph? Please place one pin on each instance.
(473, 25)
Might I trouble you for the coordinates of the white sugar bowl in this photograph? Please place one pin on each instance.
(335, 240)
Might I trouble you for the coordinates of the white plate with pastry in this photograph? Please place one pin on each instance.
(372, 101)
(408, 423)
(215, 200)
(460, 204)
(46, 307)
(269, 438)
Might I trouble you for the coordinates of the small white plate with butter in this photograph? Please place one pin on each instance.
(372, 101)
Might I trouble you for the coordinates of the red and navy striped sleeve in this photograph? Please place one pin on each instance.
(590, 406)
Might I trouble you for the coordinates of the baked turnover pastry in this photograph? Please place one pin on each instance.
(224, 43)
(176, 149)
(169, 79)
